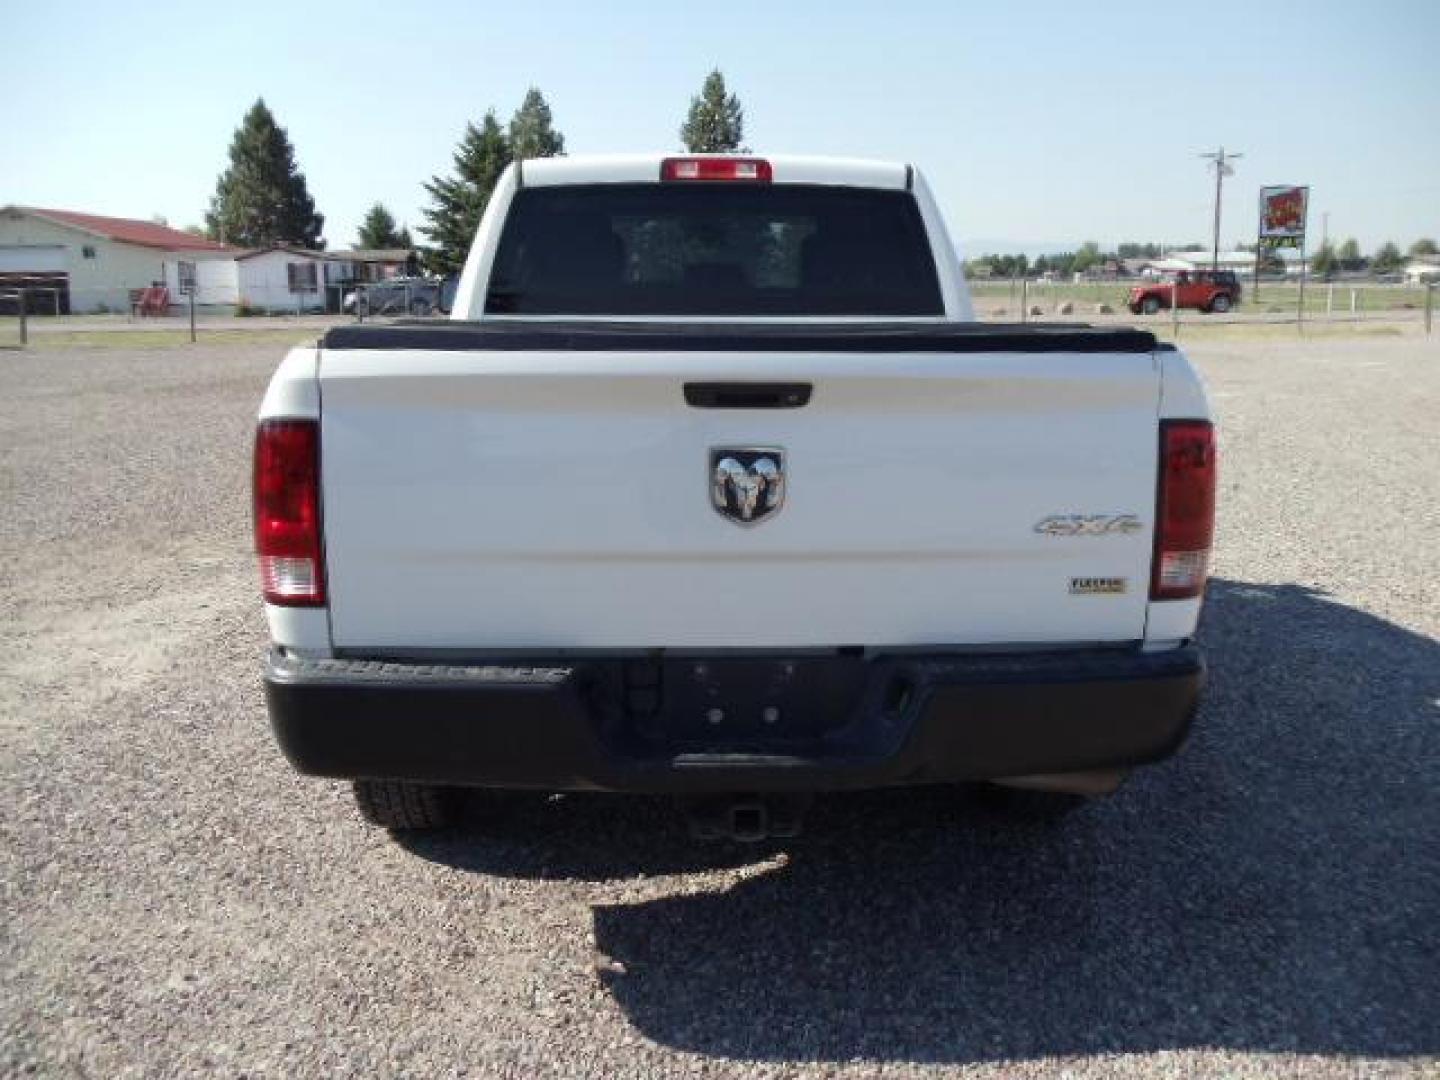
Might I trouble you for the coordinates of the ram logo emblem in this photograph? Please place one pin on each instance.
(747, 483)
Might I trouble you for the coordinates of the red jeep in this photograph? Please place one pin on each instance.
(1205, 290)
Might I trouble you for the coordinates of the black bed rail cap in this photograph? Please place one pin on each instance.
(527, 335)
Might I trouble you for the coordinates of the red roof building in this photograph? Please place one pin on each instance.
(71, 261)
(149, 234)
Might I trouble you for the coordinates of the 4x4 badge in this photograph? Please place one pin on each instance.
(1089, 525)
(747, 483)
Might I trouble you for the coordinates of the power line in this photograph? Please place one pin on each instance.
(1220, 160)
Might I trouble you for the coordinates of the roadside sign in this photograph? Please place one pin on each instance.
(1282, 216)
(1283, 209)
(1282, 225)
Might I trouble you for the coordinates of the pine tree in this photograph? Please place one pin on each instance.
(459, 200)
(262, 199)
(532, 134)
(716, 123)
(378, 230)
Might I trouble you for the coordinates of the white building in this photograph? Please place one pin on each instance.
(281, 278)
(1240, 262)
(86, 262)
(267, 279)
(1422, 269)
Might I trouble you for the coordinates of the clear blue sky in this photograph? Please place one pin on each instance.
(1039, 124)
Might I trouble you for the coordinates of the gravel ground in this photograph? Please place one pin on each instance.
(176, 901)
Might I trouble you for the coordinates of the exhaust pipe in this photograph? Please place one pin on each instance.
(1097, 783)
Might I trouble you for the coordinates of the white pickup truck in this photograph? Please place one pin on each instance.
(712, 486)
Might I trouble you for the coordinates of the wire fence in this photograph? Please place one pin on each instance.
(1272, 302)
(31, 312)
(1271, 297)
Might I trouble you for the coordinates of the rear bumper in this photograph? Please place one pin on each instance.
(773, 723)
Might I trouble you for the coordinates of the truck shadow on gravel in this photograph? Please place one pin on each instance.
(1274, 888)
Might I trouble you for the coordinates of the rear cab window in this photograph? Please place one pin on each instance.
(721, 249)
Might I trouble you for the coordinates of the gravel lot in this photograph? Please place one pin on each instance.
(177, 902)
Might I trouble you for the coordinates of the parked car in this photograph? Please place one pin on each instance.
(716, 488)
(396, 296)
(1205, 290)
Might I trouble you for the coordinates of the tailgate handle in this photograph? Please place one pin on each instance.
(747, 395)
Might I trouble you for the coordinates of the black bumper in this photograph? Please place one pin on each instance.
(773, 723)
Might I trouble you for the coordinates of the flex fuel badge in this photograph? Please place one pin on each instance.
(1097, 586)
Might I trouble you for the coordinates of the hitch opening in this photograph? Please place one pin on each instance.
(747, 819)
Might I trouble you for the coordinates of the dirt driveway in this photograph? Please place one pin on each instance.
(178, 902)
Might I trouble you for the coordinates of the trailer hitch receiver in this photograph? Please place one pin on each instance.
(748, 819)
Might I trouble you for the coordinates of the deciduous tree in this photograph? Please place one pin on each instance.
(1388, 259)
(1138, 251)
(1088, 256)
(1349, 257)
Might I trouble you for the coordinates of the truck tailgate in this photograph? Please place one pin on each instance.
(554, 498)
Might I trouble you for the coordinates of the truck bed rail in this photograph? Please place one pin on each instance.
(540, 335)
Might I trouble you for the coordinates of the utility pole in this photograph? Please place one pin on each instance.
(1221, 161)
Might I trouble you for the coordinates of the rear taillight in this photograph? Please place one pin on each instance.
(754, 170)
(1185, 509)
(287, 512)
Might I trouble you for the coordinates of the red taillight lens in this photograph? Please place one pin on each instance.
(1185, 511)
(287, 512)
(754, 170)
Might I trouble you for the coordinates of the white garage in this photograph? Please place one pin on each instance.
(39, 270)
(72, 261)
(32, 259)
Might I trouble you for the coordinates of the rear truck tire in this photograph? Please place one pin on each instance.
(1220, 305)
(1150, 305)
(405, 805)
